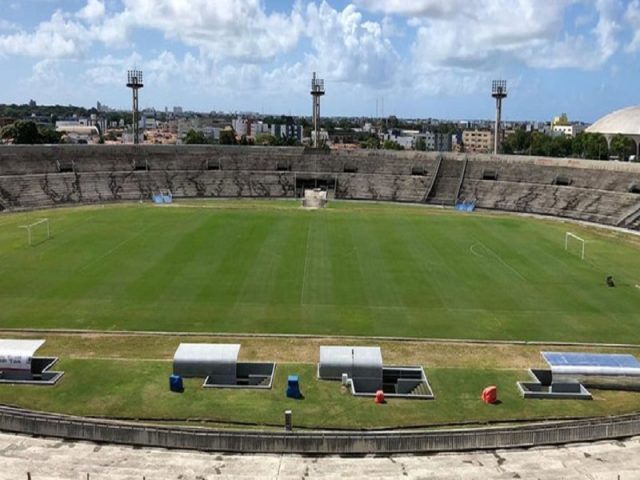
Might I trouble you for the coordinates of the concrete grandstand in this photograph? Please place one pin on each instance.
(45, 176)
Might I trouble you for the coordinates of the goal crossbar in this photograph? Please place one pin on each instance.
(29, 227)
(568, 236)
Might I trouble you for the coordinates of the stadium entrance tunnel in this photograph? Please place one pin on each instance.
(218, 364)
(19, 366)
(311, 182)
(362, 371)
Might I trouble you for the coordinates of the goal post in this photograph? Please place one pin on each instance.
(38, 231)
(571, 239)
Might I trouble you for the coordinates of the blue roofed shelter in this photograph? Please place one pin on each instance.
(570, 373)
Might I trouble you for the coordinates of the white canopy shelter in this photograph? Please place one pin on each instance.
(17, 354)
(362, 364)
(217, 360)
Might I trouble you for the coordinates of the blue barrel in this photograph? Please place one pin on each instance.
(293, 387)
(175, 383)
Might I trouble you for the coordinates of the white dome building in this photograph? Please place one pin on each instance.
(621, 122)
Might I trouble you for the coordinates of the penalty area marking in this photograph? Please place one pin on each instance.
(495, 255)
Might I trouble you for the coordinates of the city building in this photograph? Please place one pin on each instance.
(568, 130)
(477, 141)
(438, 142)
(561, 125)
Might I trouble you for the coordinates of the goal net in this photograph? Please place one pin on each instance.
(574, 244)
(37, 232)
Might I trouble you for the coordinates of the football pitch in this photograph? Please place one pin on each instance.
(350, 269)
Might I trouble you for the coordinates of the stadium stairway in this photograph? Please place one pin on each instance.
(630, 218)
(447, 182)
(420, 389)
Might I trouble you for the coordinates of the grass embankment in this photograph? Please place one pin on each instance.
(122, 376)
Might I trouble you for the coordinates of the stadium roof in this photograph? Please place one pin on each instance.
(207, 352)
(203, 359)
(357, 362)
(24, 348)
(625, 122)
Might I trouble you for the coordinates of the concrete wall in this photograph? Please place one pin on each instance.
(25, 422)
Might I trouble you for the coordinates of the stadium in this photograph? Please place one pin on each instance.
(468, 266)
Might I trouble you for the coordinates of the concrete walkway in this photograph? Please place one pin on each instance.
(52, 459)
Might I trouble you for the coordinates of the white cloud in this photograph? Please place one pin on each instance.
(488, 34)
(93, 11)
(632, 17)
(430, 8)
(417, 46)
(349, 48)
(58, 37)
(238, 29)
(46, 73)
(7, 25)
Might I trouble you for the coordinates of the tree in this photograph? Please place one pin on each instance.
(244, 140)
(22, 132)
(392, 145)
(590, 145)
(193, 137)
(49, 135)
(266, 139)
(27, 132)
(421, 144)
(622, 147)
(371, 142)
(517, 143)
(227, 137)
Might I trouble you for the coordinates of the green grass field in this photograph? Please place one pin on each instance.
(353, 268)
(126, 376)
(359, 269)
(139, 390)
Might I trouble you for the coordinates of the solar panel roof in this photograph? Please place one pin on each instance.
(574, 359)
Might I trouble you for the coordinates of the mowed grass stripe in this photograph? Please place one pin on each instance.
(350, 269)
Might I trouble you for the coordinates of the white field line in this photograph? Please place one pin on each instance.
(472, 250)
(498, 257)
(113, 249)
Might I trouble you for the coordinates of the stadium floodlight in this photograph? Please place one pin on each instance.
(572, 238)
(43, 223)
(317, 90)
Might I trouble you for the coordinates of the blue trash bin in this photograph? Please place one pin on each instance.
(175, 384)
(293, 387)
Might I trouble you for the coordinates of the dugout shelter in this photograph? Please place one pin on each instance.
(571, 373)
(19, 365)
(364, 372)
(218, 364)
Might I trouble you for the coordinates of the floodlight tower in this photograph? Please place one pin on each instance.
(134, 82)
(317, 90)
(498, 91)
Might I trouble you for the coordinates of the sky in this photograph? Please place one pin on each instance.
(418, 58)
